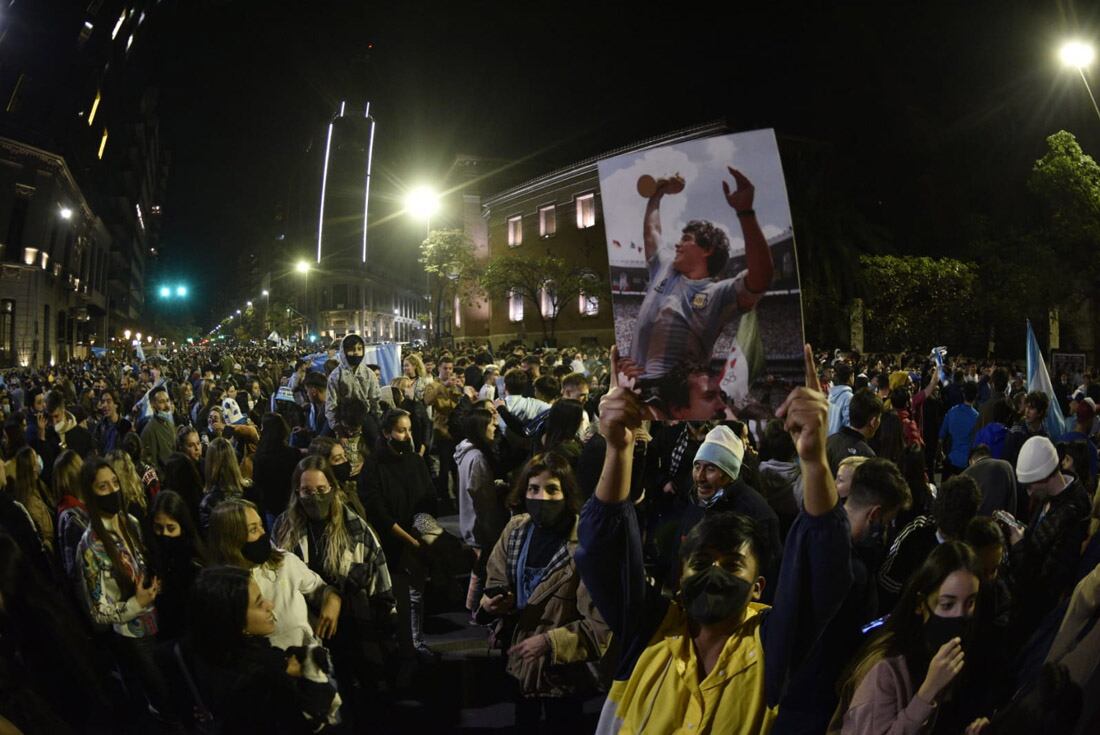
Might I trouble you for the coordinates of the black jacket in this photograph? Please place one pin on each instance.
(846, 443)
(394, 488)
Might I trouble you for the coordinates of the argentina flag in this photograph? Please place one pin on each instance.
(1039, 379)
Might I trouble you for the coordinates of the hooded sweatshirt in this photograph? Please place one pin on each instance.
(347, 381)
(481, 514)
(839, 398)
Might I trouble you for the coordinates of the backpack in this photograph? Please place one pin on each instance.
(993, 436)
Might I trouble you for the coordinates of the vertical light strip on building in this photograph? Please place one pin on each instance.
(366, 187)
(324, 184)
(102, 144)
(342, 103)
(95, 107)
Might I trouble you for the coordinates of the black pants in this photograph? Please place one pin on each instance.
(447, 467)
(548, 714)
(140, 672)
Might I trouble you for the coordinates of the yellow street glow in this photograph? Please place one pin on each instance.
(1077, 54)
(422, 202)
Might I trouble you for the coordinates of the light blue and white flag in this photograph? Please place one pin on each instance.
(1039, 379)
(939, 354)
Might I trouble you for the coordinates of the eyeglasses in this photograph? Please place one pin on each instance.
(319, 490)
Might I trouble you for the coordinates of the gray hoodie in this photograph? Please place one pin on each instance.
(481, 514)
(346, 381)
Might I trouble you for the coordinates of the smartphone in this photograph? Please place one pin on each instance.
(496, 591)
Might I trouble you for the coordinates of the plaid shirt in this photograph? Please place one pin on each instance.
(512, 551)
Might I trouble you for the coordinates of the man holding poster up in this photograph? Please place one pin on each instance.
(687, 305)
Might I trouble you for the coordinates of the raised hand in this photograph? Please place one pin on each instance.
(945, 666)
(806, 413)
(741, 199)
(620, 410)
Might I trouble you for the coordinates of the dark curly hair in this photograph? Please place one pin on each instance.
(709, 237)
(956, 503)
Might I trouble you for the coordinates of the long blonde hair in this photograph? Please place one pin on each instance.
(222, 469)
(291, 525)
(27, 480)
(418, 365)
(133, 491)
(66, 476)
(228, 533)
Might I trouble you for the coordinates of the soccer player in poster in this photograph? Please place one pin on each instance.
(687, 304)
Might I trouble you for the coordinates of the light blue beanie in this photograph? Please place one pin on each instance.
(723, 449)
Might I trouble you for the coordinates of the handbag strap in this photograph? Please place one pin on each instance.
(204, 712)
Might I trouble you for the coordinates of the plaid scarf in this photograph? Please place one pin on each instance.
(515, 544)
(678, 451)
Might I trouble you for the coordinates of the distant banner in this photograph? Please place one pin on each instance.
(704, 275)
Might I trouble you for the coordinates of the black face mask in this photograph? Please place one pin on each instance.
(258, 551)
(401, 447)
(342, 472)
(174, 549)
(546, 513)
(317, 506)
(354, 360)
(939, 630)
(714, 595)
(110, 504)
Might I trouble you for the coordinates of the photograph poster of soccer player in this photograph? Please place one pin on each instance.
(704, 277)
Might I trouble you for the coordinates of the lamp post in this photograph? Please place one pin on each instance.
(422, 202)
(1078, 55)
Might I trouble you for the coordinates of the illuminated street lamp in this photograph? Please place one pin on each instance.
(238, 312)
(181, 291)
(249, 304)
(1078, 55)
(165, 292)
(422, 203)
(126, 333)
(138, 335)
(66, 213)
(302, 266)
(265, 293)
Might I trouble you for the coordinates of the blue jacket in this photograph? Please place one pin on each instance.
(959, 424)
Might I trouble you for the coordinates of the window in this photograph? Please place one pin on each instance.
(515, 231)
(586, 211)
(588, 305)
(548, 221)
(515, 307)
(548, 298)
(17, 221)
(339, 296)
(458, 311)
(102, 145)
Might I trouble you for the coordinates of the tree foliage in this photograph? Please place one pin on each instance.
(448, 258)
(534, 279)
(913, 303)
(1067, 182)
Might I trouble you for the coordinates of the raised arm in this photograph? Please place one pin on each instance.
(806, 417)
(620, 414)
(651, 224)
(758, 256)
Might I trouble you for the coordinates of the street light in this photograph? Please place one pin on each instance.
(181, 291)
(302, 266)
(422, 202)
(238, 312)
(165, 292)
(249, 304)
(126, 333)
(138, 335)
(265, 293)
(66, 213)
(1078, 55)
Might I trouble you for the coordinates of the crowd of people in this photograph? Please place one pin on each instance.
(244, 538)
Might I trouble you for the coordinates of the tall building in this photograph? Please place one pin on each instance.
(352, 287)
(81, 174)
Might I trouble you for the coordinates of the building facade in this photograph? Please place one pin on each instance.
(81, 175)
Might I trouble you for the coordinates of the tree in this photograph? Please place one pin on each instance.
(448, 258)
(915, 303)
(1067, 183)
(546, 283)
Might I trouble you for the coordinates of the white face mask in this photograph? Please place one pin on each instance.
(59, 427)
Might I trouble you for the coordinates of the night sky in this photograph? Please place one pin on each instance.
(931, 111)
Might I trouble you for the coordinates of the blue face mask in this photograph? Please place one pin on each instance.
(166, 416)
